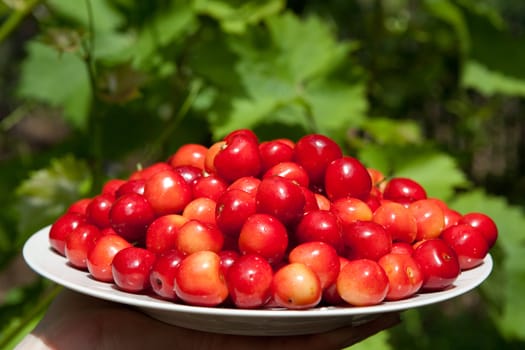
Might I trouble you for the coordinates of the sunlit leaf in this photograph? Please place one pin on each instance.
(104, 17)
(58, 79)
(47, 192)
(235, 16)
(437, 172)
(490, 82)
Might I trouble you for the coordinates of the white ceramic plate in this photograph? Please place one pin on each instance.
(43, 260)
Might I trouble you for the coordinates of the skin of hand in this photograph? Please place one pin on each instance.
(76, 321)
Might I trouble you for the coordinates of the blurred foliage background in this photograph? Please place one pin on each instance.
(431, 89)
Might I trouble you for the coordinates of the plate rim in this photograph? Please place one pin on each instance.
(39, 242)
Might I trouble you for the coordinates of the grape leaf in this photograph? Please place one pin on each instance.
(235, 16)
(47, 192)
(490, 82)
(507, 282)
(58, 79)
(272, 70)
(437, 172)
(393, 131)
(104, 16)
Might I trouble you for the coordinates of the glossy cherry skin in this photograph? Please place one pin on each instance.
(167, 192)
(202, 209)
(97, 212)
(131, 269)
(239, 157)
(150, 170)
(199, 280)
(196, 236)
(131, 186)
(468, 242)
(211, 186)
(274, 152)
(484, 223)
(362, 282)
(398, 220)
(281, 198)
(111, 186)
(79, 206)
(403, 190)
(163, 271)
(296, 286)
(189, 173)
(246, 183)
(321, 257)
(79, 242)
(265, 235)
(291, 171)
(130, 216)
(100, 256)
(347, 177)
(249, 281)
(366, 240)
(232, 210)
(314, 152)
(62, 228)
(322, 226)
(404, 275)
(439, 264)
(161, 234)
(190, 154)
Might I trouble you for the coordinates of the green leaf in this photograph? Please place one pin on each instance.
(277, 79)
(165, 29)
(507, 282)
(46, 194)
(490, 82)
(105, 17)
(336, 106)
(308, 48)
(393, 131)
(450, 13)
(378, 342)
(58, 79)
(235, 16)
(437, 172)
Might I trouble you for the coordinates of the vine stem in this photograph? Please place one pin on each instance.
(14, 19)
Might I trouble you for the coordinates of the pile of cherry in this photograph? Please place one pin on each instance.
(255, 224)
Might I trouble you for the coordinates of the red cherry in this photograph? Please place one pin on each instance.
(190, 154)
(232, 210)
(79, 242)
(130, 217)
(239, 157)
(403, 190)
(484, 223)
(274, 152)
(131, 269)
(281, 198)
(163, 271)
(265, 235)
(249, 281)
(97, 212)
(62, 228)
(314, 152)
(167, 192)
(468, 242)
(439, 263)
(347, 177)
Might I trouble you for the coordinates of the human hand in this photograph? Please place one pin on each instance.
(76, 321)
